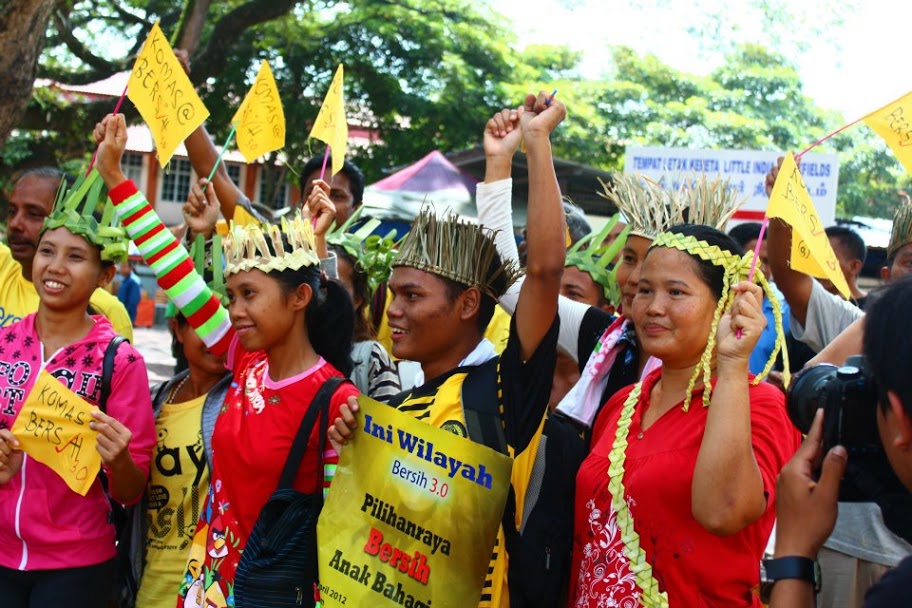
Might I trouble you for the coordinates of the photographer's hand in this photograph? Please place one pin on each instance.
(806, 509)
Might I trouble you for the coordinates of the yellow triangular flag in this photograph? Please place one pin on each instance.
(331, 125)
(893, 122)
(811, 251)
(260, 119)
(164, 96)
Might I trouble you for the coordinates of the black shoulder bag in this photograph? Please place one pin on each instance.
(123, 592)
(278, 566)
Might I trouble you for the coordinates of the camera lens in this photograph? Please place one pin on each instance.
(809, 391)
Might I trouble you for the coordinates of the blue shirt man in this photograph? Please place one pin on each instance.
(130, 291)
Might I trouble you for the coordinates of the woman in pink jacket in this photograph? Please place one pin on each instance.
(56, 546)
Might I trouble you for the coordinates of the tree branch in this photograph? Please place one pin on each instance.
(213, 58)
(65, 33)
(129, 17)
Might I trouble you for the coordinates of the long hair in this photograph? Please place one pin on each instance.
(363, 329)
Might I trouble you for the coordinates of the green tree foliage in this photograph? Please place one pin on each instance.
(426, 74)
(754, 100)
(419, 74)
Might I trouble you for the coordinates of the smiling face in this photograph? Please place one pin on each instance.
(673, 309)
(425, 321)
(66, 270)
(29, 203)
(261, 312)
(628, 270)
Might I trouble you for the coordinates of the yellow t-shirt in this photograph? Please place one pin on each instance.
(242, 217)
(524, 389)
(18, 298)
(178, 482)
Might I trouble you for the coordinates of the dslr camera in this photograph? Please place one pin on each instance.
(848, 396)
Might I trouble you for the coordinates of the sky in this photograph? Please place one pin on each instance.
(850, 53)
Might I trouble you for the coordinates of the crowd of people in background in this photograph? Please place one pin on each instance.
(641, 372)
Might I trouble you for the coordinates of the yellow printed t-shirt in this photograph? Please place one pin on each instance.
(18, 298)
(525, 389)
(179, 479)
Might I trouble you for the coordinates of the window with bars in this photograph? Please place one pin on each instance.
(176, 181)
(234, 173)
(282, 193)
(132, 164)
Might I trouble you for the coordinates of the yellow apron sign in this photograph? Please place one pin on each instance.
(53, 428)
(411, 517)
(163, 94)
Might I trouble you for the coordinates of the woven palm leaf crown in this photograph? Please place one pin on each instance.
(901, 234)
(75, 209)
(651, 209)
(247, 247)
(595, 259)
(458, 250)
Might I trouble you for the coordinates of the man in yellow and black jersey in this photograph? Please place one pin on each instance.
(445, 283)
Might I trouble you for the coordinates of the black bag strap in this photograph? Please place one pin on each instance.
(482, 412)
(318, 407)
(485, 425)
(116, 514)
(107, 371)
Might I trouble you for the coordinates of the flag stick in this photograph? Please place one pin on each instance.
(325, 159)
(116, 109)
(221, 154)
(826, 137)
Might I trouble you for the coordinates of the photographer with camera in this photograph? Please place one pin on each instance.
(806, 507)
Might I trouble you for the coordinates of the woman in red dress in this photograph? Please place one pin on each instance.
(674, 504)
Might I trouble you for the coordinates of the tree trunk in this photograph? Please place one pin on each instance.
(191, 27)
(23, 24)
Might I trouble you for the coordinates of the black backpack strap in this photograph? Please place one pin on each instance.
(481, 406)
(107, 371)
(318, 407)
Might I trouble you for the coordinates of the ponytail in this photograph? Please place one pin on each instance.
(330, 324)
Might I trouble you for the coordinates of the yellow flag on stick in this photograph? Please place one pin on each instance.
(893, 122)
(53, 428)
(164, 96)
(331, 126)
(260, 119)
(811, 251)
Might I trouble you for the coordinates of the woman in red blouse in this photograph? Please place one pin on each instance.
(285, 332)
(674, 504)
